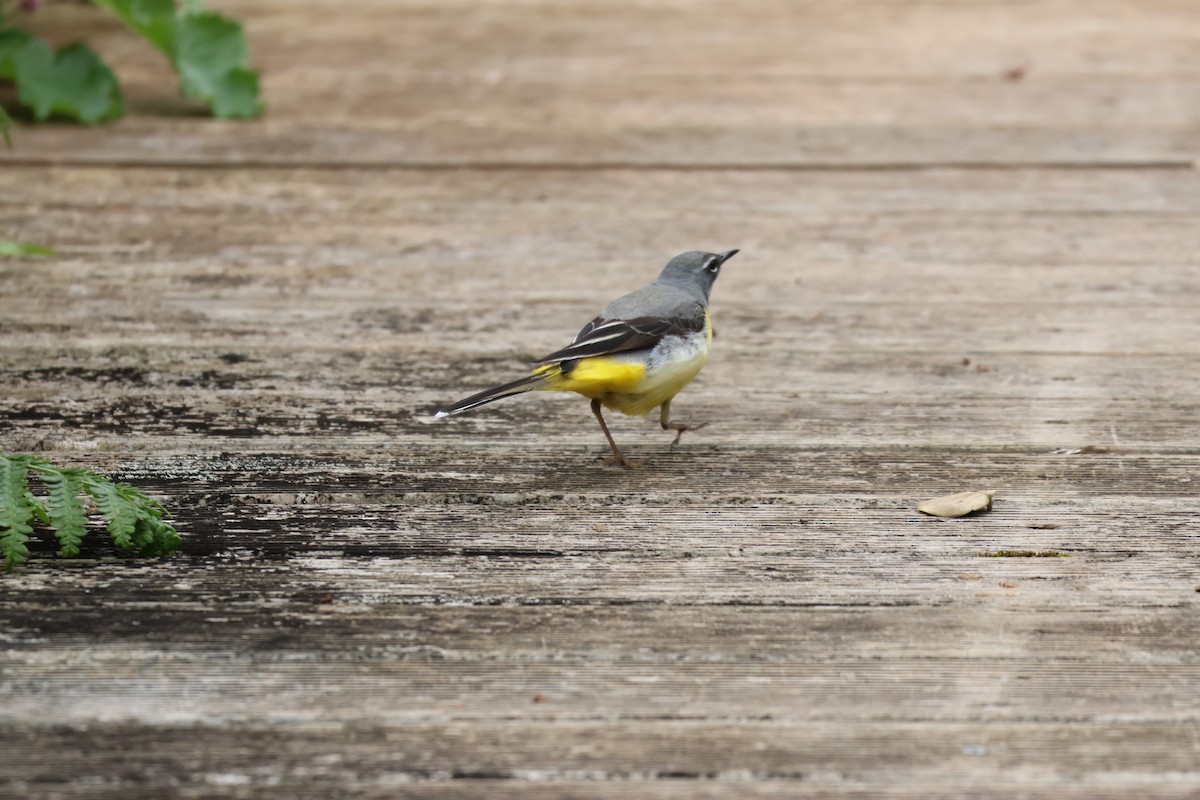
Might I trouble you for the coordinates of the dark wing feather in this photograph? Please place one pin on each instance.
(605, 336)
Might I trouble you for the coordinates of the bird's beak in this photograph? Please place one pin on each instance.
(728, 255)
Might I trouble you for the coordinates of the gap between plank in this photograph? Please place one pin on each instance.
(604, 166)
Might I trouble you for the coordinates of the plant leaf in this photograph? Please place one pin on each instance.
(119, 513)
(135, 520)
(67, 517)
(151, 535)
(153, 20)
(155, 537)
(6, 124)
(207, 50)
(15, 509)
(73, 82)
(40, 513)
(211, 58)
(8, 248)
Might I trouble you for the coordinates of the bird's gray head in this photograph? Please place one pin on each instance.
(695, 270)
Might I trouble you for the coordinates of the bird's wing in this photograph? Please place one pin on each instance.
(605, 336)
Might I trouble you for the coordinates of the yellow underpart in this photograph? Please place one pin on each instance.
(595, 377)
(623, 384)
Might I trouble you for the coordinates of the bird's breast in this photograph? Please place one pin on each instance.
(670, 365)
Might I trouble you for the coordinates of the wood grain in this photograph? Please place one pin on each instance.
(766, 83)
(949, 280)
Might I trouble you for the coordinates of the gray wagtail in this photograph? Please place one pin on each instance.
(636, 356)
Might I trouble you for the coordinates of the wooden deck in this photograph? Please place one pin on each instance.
(970, 239)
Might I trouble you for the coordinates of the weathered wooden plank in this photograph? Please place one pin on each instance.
(621, 663)
(990, 759)
(765, 83)
(866, 569)
(372, 605)
(354, 688)
(341, 633)
(363, 629)
(949, 234)
(796, 427)
(857, 344)
(834, 233)
(237, 784)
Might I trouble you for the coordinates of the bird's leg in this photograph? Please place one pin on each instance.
(617, 457)
(664, 419)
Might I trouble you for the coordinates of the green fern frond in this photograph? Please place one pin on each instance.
(65, 489)
(151, 535)
(155, 537)
(141, 499)
(15, 508)
(134, 520)
(120, 515)
(39, 511)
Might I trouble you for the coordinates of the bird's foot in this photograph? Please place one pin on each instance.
(622, 460)
(680, 427)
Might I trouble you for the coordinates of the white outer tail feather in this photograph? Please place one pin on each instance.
(519, 386)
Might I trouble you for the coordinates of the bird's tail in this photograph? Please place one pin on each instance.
(530, 382)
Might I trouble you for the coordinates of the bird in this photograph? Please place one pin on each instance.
(641, 350)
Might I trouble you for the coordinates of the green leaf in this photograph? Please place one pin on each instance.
(207, 50)
(135, 520)
(8, 248)
(120, 514)
(211, 58)
(15, 510)
(151, 536)
(6, 126)
(153, 20)
(73, 82)
(67, 516)
(40, 512)
(155, 537)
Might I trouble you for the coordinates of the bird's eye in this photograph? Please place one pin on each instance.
(714, 265)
